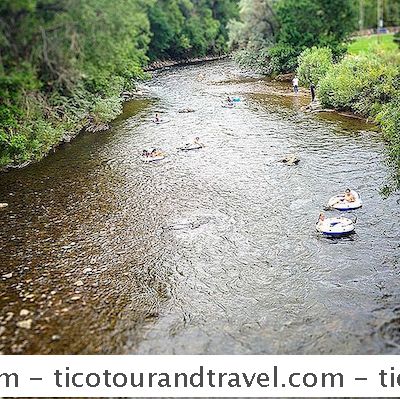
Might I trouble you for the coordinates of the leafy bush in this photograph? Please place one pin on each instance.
(314, 64)
(4, 142)
(17, 145)
(268, 60)
(340, 87)
(389, 120)
(360, 84)
(254, 59)
(282, 58)
(107, 109)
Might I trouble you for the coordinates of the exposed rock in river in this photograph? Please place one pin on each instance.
(26, 324)
(97, 127)
(24, 312)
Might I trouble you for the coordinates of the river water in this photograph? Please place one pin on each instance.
(208, 252)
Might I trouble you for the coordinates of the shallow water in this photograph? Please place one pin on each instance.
(208, 252)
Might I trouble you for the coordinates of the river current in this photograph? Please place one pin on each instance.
(207, 252)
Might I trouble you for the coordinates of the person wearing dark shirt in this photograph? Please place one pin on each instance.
(312, 89)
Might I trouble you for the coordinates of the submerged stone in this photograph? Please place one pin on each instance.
(26, 324)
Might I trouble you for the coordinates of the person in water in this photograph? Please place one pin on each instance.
(295, 84)
(321, 218)
(312, 89)
(230, 101)
(145, 154)
(156, 153)
(157, 118)
(349, 196)
(197, 142)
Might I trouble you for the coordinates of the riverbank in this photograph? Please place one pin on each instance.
(67, 132)
(190, 61)
(91, 124)
(94, 119)
(316, 107)
(365, 85)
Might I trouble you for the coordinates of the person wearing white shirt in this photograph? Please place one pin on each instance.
(296, 84)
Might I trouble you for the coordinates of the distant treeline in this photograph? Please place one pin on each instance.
(64, 63)
(271, 34)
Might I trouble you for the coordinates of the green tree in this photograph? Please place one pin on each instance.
(257, 26)
(185, 28)
(314, 64)
(287, 27)
(64, 63)
(308, 23)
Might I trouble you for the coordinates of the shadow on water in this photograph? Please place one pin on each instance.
(213, 251)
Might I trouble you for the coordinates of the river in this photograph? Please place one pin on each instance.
(208, 252)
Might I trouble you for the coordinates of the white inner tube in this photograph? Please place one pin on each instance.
(336, 226)
(153, 159)
(338, 202)
(159, 122)
(191, 147)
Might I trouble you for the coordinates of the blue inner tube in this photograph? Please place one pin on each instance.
(343, 234)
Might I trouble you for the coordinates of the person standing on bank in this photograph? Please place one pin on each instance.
(296, 84)
(312, 89)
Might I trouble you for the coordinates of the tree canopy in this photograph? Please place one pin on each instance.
(62, 61)
(279, 30)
